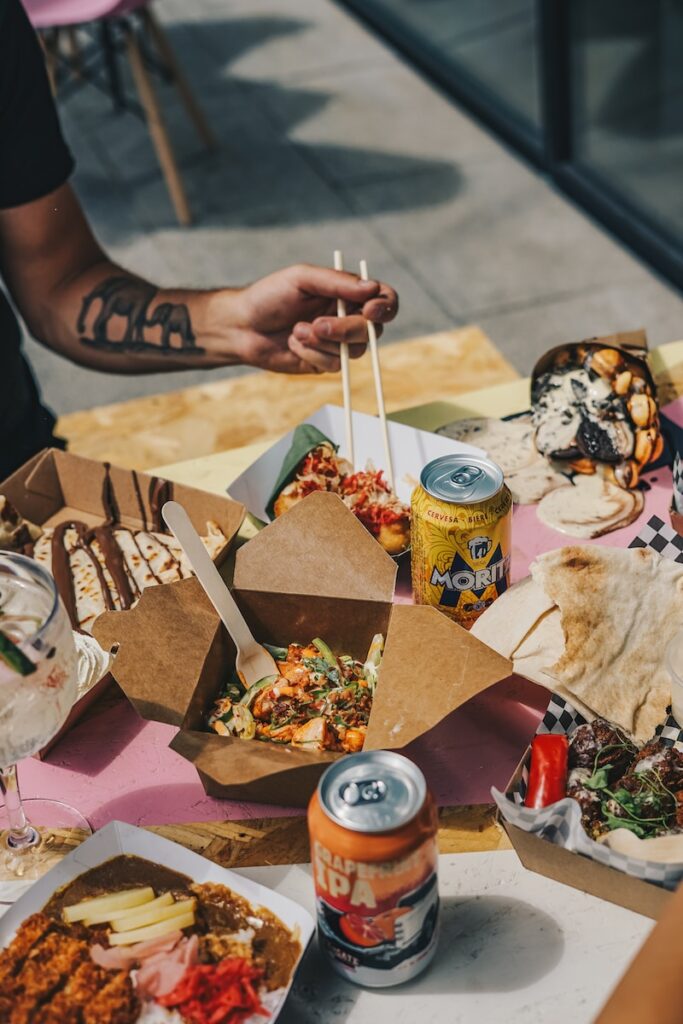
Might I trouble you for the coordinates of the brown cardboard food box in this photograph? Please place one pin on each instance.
(581, 872)
(55, 486)
(313, 572)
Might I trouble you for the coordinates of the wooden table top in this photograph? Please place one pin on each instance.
(225, 414)
(265, 841)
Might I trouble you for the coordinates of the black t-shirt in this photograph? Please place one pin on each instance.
(34, 160)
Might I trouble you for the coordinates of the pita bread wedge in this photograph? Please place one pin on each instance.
(505, 623)
(525, 625)
(619, 609)
(510, 443)
(532, 483)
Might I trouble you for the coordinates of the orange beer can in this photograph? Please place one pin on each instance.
(373, 825)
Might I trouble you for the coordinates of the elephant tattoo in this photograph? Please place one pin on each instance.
(119, 296)
(130, 299)
(173, 320)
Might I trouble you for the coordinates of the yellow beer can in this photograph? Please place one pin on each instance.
(461, 534)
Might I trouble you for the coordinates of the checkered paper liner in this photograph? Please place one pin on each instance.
(560, 823)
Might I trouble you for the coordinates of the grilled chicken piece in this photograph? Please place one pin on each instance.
(313, 734)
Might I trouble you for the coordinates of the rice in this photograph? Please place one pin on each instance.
(152, 1013)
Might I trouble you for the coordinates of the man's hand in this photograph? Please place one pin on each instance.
(288, 321)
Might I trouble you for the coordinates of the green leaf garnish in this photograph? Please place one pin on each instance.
(598, 780)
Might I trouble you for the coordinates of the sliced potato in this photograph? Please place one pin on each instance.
(151, 914)
(108, 918)
(153, 931)
(108, 904)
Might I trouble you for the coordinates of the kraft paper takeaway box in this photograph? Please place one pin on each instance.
(55, 487)
(313, 572)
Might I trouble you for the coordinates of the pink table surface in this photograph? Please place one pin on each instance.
(116, 766)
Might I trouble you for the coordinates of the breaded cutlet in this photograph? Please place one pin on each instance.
(66, 1006)
(46, 969)
(116, 1003)
(48, 978)
(32, 931)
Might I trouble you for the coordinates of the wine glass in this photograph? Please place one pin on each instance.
(38, 679)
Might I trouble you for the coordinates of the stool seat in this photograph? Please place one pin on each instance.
(62, 13)
(120, 26)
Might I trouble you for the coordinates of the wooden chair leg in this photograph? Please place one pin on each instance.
(158, 130)
(181, 83)
(74, 52)
(49, 42)
(111, 63)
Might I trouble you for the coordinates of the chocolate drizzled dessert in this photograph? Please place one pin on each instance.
(106, 567)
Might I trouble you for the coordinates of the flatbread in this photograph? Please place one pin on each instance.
(532, 483)
(659, 849)
(510, 443)
(619, 610)
(591, 507)
(150, 558)
(539, 651)
(505, 623)
(525, 626)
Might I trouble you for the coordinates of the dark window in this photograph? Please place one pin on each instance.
(591, 90)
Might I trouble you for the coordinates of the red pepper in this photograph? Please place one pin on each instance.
(548, 771)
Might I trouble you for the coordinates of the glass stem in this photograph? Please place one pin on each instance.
(21, 834)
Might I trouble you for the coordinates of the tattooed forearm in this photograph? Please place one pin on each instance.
(123, 304)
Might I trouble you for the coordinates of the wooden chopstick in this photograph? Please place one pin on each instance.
(379, 390)
(345, 371)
